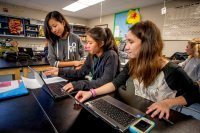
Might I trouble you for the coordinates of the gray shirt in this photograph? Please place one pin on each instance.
(68, 49)
(192, 67)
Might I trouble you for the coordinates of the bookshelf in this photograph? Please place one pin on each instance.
(79, 30)
(20, 27)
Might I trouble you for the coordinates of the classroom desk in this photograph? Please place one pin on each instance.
(38, 65)
(38, 112)
(7, 67)
(23, 115)
(66, 118)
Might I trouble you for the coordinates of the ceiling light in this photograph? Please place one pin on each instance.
(75, 7)
(90, 2)
(81, 4)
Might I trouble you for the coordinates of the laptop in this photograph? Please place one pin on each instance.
(53, 89)
(114, 112)
(27, 51)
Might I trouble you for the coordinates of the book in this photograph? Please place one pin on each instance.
(10, 89)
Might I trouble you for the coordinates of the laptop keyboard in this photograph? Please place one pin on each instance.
(56, 89)
(113, 112)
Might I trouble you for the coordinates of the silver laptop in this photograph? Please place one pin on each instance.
(53, 89)
(116, 113)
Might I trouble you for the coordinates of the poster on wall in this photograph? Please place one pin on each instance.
(15, 26)
(124, 20)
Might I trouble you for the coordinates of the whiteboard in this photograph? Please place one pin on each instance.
(182, 23)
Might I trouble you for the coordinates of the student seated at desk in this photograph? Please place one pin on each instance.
(65, 48)
(102, 63)
(192, 64)
(153, 76)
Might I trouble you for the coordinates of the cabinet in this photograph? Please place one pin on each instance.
(33, 30)
(20, 27)
(80, 30)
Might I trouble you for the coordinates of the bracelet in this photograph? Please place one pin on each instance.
(94, 94)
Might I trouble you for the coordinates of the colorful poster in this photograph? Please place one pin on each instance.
(124, 20)
(15, 26)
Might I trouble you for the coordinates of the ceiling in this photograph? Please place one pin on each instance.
(108, 6)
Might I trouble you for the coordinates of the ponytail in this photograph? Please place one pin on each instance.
(103, 35)
(110, 41)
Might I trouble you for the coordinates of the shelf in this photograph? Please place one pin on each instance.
(3, 22)
(4, 28)
(20, 36)
(25, 26)
(31, 31)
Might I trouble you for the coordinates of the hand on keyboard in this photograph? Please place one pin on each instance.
(82, 96)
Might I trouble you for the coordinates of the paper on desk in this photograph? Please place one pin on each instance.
(54, 80)
(34, 84)
(8, 85)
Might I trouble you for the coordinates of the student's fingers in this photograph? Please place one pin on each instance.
(85, 96)
(167, 115)
(156, 112)
(66, 87)
(162, 113)
(78, 95)
(70, 90)
(50, 68)
(150, 109)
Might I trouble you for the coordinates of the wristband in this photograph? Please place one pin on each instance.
(93, 92)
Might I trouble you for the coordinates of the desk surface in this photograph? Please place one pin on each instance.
(24, 114)
(8, 64)
(11, 64)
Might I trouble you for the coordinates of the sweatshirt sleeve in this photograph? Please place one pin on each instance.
(51, 55)
(189, 89)
(122, 77)
(109, 73)
(71, 73)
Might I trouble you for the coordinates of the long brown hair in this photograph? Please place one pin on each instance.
(58, 17)
(147, 65)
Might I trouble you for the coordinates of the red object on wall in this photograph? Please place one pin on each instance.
(15, 26)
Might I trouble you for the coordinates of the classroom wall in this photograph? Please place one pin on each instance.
(152, 13)
(109, 19)
(20, 11)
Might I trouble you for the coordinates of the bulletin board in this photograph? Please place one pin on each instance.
(124, 20)
(182, 23)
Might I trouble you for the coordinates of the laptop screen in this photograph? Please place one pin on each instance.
(27, 51)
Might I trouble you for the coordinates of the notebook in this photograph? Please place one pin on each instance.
(53, 89)
(10, 89)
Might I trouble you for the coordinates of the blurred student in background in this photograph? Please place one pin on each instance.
(192, 64)
(101, 65)
(154, 77)
(65, 48)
